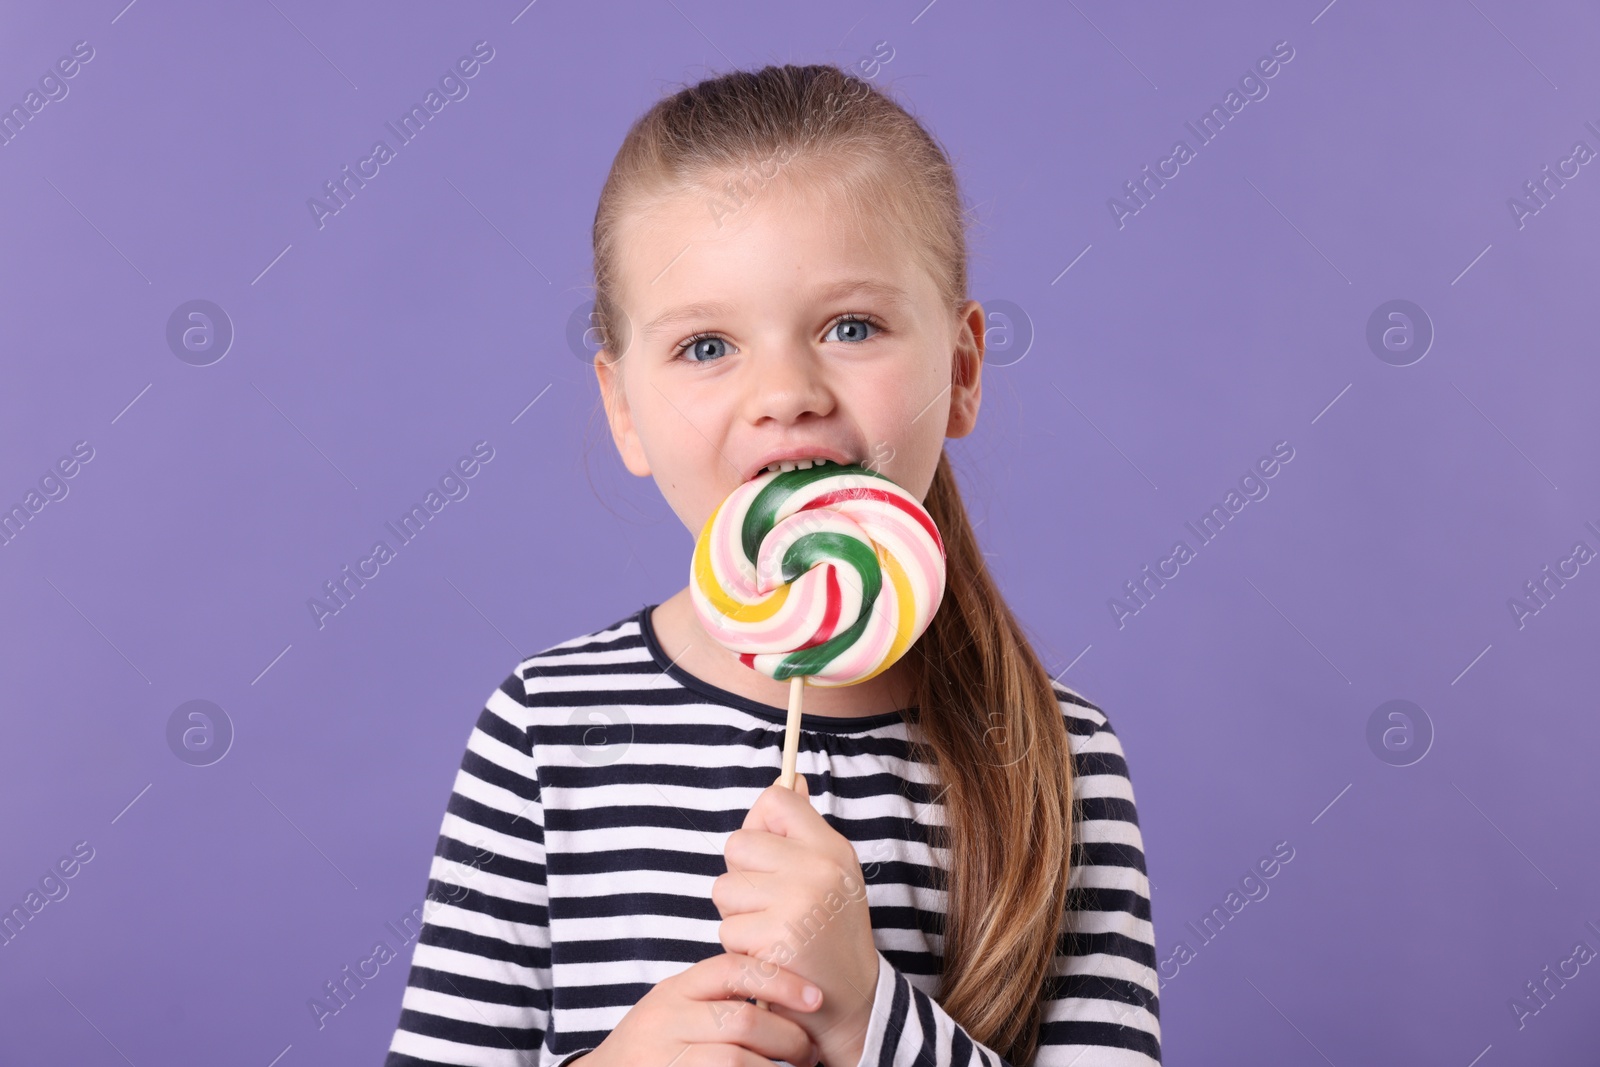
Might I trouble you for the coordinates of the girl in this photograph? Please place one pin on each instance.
(780, 277)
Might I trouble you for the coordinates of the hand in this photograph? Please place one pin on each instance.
(699, 1017)
(794, 896)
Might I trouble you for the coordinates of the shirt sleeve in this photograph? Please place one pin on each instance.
(478, 992)
(1100, 1004)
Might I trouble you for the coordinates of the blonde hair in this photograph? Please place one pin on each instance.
(987, 716)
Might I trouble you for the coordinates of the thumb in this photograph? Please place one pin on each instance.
(801, 786)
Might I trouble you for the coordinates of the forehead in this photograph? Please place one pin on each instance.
(779, 245)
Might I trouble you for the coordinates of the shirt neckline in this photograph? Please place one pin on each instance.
(834, 724)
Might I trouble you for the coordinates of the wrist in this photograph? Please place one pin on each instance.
(849, 1051)
(847, 1039)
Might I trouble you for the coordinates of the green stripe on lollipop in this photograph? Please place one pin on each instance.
(835, 548)
(762, 514)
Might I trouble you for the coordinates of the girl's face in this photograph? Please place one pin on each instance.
(781, 327)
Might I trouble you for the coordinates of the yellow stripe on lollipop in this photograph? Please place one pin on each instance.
(706, 579)
(907, 601)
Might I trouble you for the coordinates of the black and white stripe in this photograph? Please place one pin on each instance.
(586, 824)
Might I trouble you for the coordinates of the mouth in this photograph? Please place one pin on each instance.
(799, 463)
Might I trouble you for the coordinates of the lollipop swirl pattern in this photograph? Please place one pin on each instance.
(830, 572)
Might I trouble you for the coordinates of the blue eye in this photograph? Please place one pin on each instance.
(709, 347)
(857, 327)
(702, 344)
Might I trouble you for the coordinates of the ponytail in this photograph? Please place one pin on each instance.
(990, 721)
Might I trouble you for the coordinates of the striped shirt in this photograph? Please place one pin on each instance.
(587, 821)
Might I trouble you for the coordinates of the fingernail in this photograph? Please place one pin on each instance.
(811, 995)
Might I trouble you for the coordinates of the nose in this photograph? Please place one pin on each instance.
(788, 382)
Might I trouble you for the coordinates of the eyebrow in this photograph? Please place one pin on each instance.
(881, 291)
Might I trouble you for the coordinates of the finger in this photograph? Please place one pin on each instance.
(746, 892)
(761, 850)
(753, 1028)
(720, 1055)
(735, 975)
(751, 934)
(724, 983)
(740, 892)
(783, 811)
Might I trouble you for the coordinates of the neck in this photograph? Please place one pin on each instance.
(687, 645)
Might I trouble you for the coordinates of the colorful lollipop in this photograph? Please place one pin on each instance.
(826, 575)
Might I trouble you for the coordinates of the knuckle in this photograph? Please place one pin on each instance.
(737, 986)
(742, 1023)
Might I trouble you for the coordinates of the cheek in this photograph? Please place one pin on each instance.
(923, 405)
(903, 389)
(663, 421)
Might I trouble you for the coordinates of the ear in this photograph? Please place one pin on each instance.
(608, 371)
(966, 370)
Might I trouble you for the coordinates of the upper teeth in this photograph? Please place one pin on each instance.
(793, 464)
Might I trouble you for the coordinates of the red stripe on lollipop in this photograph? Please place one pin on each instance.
(833, 607)
(838, 496)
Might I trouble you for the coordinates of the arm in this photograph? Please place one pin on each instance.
(1100, 1004)
(478, 992)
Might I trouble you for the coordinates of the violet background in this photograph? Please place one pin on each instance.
(1227, 315)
